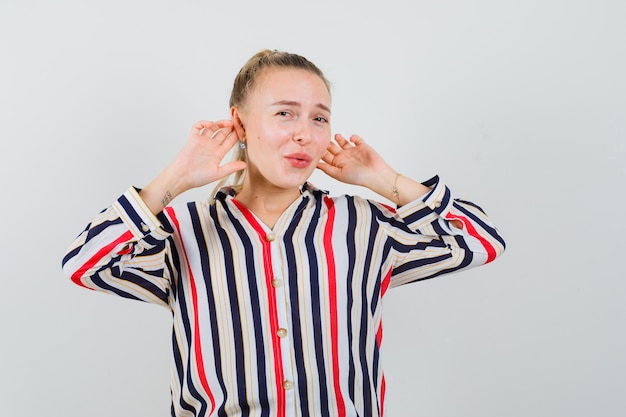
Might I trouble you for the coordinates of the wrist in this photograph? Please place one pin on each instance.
(162, 190)
(172, 181)
(385, 184)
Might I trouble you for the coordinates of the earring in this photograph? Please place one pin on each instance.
(242, 145)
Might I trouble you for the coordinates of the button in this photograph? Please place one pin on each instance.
(145, 227)
(281, 332)
(277, 283)
(287, 384)
(437, 204)
(270, 237)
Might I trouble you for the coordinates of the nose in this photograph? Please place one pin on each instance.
(302, 133)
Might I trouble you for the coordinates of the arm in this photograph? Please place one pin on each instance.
(196, 165)
(431, 233)
(355, 162)
(440, 234)
(125, 251)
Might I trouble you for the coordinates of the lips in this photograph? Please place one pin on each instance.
(299, 160)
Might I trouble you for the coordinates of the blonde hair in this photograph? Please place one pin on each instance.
(245, 82)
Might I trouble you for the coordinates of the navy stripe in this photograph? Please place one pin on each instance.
(445, 200)
(351, 249)
(206, 276)
(71, 254)
(418, 215)
(130, 211)
(419, 263)
(96, 230)
(178, 293)
(375, 371)
(492, 231)
(294, 298)
(235, 315)
(317, 314)
(469, 255)
(263, 399)
(100, 283)
(363, 336)
(178, 362)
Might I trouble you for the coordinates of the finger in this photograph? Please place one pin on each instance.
(342, 141)
(230, 139)
(345, 144)
(333, 148)
(208, 128)
(216, 132)
(224, 123)
(328, 169)
(200, 126)
(222, 135)
(356, 139)
(231, 167)
(328, 158)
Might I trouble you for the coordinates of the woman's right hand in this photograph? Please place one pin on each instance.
(197, 164)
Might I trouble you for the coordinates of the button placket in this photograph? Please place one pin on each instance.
(281, 333)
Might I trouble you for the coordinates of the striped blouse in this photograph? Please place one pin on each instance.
(284, 321)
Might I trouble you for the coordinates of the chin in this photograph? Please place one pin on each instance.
(291, 181)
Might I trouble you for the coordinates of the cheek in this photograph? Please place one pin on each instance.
(323, 142)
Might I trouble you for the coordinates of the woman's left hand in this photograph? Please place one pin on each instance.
(354, 162)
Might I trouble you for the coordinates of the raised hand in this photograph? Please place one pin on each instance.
(197, 164)
(354, 162)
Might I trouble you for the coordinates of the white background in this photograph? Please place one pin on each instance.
(520, 106)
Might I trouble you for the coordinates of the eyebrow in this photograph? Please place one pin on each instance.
(296, 104)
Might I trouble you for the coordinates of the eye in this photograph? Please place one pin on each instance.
(321, 119)
(282, 113)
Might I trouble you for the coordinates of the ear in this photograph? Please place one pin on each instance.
(235, 115)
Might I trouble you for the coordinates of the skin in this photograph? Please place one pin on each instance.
(285, 123)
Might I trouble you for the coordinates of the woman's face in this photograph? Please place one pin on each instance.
(286, 119)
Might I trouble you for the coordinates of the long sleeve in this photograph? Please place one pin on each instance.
(124, 251)
(431, 245)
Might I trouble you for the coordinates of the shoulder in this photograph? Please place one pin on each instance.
(360, 204)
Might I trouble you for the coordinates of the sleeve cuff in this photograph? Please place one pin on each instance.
(435, 203)
(143, 224)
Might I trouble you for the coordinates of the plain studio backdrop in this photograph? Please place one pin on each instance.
(519, 106)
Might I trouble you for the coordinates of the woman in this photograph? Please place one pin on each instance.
(275, 287)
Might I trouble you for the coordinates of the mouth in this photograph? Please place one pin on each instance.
(299, 160)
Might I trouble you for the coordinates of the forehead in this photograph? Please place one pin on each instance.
(290, 84)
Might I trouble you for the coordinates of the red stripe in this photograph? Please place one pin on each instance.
(269, 276)
(385, 284)
(388, 207)
(76, 276)
(332, 295)
(196, 327)
(491, 251)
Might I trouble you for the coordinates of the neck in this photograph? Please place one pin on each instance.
(267, 202)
